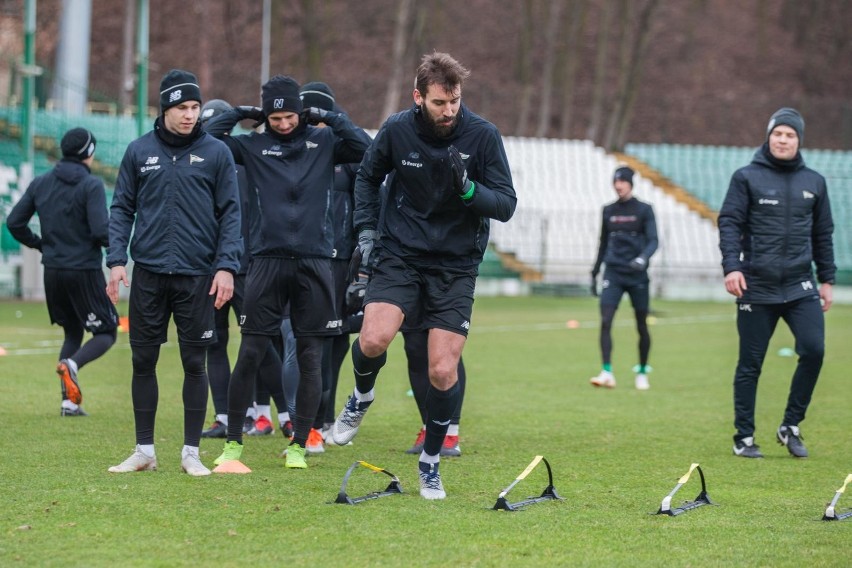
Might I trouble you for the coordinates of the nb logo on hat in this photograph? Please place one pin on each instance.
(175, 96)
(278, 103)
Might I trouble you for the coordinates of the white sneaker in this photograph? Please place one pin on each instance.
(190, 463)
(604, 379)
(430, 482)
(136, 462)
(642, 383)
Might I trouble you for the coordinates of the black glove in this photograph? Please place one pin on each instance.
(355, 294)
(594, 287)
(461, 185)
(638, 264)
(314, 115)
(248, 112)
(366, 241)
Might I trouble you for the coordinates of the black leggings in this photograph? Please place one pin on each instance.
(607, 316)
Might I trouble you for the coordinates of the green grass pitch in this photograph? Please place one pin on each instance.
(615, 455)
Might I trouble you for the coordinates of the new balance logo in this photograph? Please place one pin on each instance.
(310, 144)
(193, 159)
(745, 307)
(334, 324)
(278, 103)
(465, 325)
(807, 285)
(175, 96)
(152, 160)
(207, 334)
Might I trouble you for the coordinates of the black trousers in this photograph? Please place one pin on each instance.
(756, 324)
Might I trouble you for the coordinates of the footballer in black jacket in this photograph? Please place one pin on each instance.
(450, 177)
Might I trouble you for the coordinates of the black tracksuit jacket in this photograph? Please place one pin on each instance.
(628, 230)
(71, 205)
(424, 219)
(774, 225)
(292, 179)
(181, 204)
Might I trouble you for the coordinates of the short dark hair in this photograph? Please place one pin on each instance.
(439, 69)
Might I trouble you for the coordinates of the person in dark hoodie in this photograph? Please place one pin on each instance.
(177, 195)
(627, 242)
(775, 225)
(71, 206)
(419, 266)
(290, 168)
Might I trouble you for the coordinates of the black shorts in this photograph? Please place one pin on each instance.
(615, 284)
(340, 274)
(304, 282)
(79, 297)
(235, 303)
(430, 296)
(154, 298)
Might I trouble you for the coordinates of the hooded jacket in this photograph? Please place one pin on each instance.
(424, 220)
(774, 225)
(181, 204)
(71, 206)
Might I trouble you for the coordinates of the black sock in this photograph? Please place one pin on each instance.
(366, 368)
(440, 406)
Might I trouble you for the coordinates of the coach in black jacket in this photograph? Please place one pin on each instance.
(450, 177)
(290, 169)
(71, 206)
(177, 193)
(774, 225)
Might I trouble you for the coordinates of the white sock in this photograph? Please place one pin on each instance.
(364, 396)
(251, 412)
(264, 410)
(72, 364)
(147, 449)
(223, 418)
(426, 458)
(283, 418)
(453, 430)
(68, 405)
(189, 451)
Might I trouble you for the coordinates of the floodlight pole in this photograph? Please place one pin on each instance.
(265, 41)
(28, 80)
(142, 67)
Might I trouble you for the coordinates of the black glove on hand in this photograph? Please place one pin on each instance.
(355, 294)
(314, 115)
(594, 287)
(461, 184)
(248, 112)
(366, 241)
(638, 264)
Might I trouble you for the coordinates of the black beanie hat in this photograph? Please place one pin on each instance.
(623, 173)
(791, 118)
(317, 94)
(178, 86)
(78, 143)
(279, 94)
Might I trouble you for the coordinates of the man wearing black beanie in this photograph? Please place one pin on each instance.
(176, 194)
(71, 206)
(775, 226)
(628, 239)
(291, 166)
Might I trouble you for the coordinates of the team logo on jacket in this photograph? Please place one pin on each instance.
(150, 164)
(274, 151)
(310, 145)
(807, 194)
(411, 163)
(193, 159)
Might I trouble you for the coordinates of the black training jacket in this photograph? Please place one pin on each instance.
(424, 219)
(292, 180)
(628, 230)
(71, 207)
(181, 204)
(343, 204)
(775, 223)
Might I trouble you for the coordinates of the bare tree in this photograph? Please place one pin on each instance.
(575, 27)
(601, 68)
(311, 28)
(399, 59)
(550, 50)
(524, 67)
(127, 80)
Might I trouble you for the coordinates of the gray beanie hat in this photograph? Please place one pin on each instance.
(790, 117)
